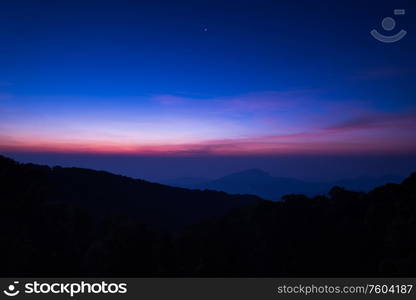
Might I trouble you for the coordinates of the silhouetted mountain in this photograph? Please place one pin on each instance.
(260, 183)
(68, 222)
(346, 234)
(185, 181)
(365, 184)
(104, 193)
(248, 176)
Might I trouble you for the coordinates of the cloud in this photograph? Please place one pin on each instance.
(271, 122)
(169, 99)
(335, 140)
(383, 73)
(405, 121)
(247, 102)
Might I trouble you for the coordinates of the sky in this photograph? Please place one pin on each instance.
(257, 82)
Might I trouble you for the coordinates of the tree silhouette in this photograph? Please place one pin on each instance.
(68, 222)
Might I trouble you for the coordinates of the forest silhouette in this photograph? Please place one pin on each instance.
(71, 222)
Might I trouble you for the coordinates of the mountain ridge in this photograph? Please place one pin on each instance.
(49, 230)
(104, 193)
(261, 183)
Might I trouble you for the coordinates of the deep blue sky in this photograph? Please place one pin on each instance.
(130, 48)
(209, 79)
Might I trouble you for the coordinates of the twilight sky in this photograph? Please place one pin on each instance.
(206, 79)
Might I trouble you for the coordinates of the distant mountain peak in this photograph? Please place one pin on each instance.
(254, 172)
(250, 174)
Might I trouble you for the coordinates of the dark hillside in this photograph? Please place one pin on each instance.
(64, 222)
